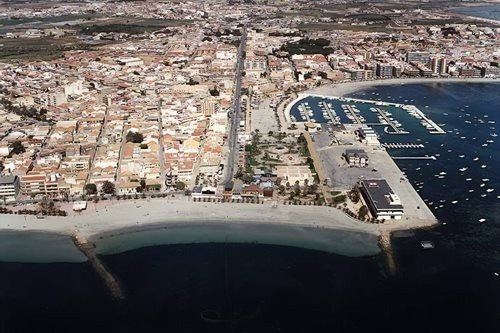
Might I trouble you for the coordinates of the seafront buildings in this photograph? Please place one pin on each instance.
(150, 111)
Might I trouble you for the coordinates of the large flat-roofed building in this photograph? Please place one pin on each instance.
(381, 200)
(356, 157)
(9, 188)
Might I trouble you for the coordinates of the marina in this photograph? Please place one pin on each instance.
(355, 114)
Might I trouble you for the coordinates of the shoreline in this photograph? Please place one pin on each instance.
(107, 220)
(346, 88)
(112, 215)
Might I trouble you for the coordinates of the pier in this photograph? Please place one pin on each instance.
(391, 123)
(329, 111)
(426, 157)
(88, 249)
(355, 116)
(402, 145)
(436, 129)
(306, 113)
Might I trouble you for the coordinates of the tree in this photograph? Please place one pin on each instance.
(282, 189)
(214, 92)
(143, 183)
(134, 137)
(363, 211)
(108, 187)
(312, 189)
(17, 148)
(90, 189)
(323, 75)
(139, 189)
(180, 186)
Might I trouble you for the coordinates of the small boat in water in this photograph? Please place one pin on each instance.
(454, 201)
(462, 169)
(427, 245)
(490, 190)
(482, 220)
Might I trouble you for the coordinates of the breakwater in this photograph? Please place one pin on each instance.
(88, 249)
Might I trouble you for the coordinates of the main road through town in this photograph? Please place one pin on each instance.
(235, 114)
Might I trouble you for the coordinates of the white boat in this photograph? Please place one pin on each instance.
(454, 201)
(470, 191)
(490, 190)
(482, 220)
(442, 173)
(468, 179)
(483, 166)
(476, 158)
(483, 195)
(427, 245)
(485, 179)
(482, 185)
(462, 169)
(461, 156)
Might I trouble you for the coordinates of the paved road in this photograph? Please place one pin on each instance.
(99, 143)
(229, 169)
(161, 150)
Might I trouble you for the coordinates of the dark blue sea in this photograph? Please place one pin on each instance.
(229, 287)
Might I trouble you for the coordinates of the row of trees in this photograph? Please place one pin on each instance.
(107, 188)
(307, 46)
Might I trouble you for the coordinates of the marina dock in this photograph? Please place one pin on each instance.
(306, 113)
(402, 145)
(329, 111)
(88, 249)
(426, 157)
(353, 114)
(390, 123)
(432, 126)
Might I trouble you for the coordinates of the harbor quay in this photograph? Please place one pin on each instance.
(334, 140)
(381, 165)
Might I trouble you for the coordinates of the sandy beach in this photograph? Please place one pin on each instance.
(107, 216)
(117, 226)
(346, 88)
